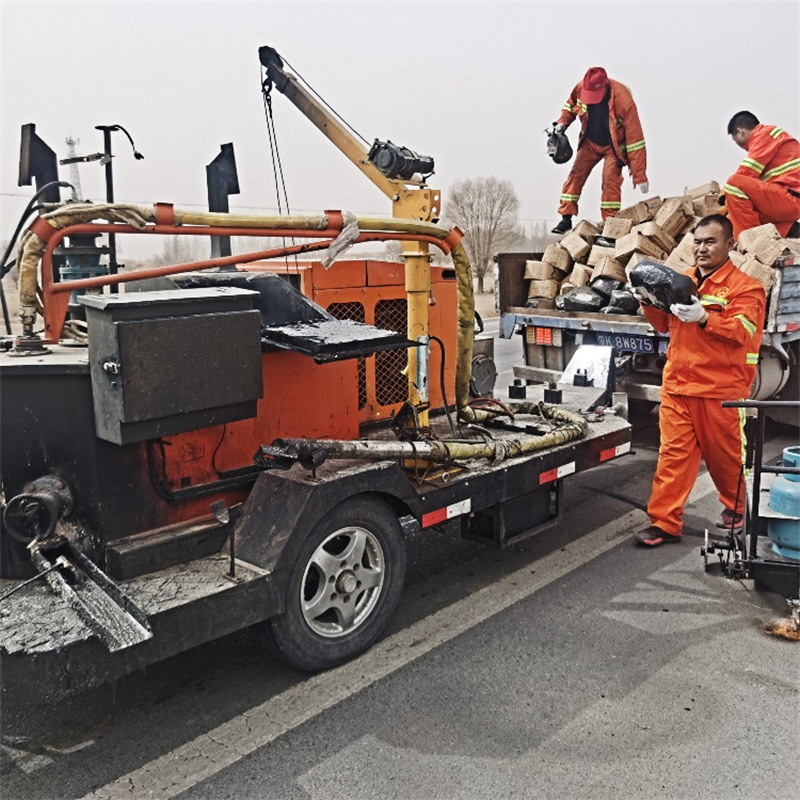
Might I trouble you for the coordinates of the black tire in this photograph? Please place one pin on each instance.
(357, 552)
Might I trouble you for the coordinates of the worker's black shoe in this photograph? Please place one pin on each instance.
(794, 231)
(563, 226)
(653, 537)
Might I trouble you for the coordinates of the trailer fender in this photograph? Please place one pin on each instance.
(283, 506)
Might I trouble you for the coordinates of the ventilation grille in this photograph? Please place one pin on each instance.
(354, 311)
(391, 386)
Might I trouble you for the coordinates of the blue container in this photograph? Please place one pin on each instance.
(784, 497)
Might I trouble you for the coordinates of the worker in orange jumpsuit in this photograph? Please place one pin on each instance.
(611, 133)
(712, 356)
(766, 187)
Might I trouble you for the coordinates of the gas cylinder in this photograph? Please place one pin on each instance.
(784, 497)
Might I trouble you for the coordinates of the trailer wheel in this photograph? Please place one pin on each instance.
(343, 588)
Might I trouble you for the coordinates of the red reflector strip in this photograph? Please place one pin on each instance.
(613, 452)
(448, 512)
(557, 472)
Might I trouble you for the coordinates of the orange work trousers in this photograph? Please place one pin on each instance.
(586, 159)
(693, 428)
(769, 202)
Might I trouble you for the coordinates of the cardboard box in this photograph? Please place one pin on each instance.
(766, 249)
(712, 187)
(580, 275)
(755, 269)
(685, 248)
(652, 231)
(616, 228)
(638, 212)
(609, 268)
(597, 252)
(543, 289)
(566, 287)
(706, 205)
(674, 216)
(542, 271)
(749, 237)
(541, 302)
(556, 255)
(636, 242)
(586, 229)
(575, 245)
(675, 261)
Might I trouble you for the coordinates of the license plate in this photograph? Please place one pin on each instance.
(625, 341)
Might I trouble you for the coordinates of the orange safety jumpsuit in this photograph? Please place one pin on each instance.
(704, 367)
(627, 148)
(766, 187)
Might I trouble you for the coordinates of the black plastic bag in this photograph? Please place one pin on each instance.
(583, 298)
(663, 285)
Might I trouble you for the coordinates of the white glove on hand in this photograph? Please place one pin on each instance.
(561, 128)
(645, 187)
(692, 312)
(640, 293)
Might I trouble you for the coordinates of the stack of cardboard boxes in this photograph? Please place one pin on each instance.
(654, 229)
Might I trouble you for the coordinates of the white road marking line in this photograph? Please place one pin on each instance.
(206, 755)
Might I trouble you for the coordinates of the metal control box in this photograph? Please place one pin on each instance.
(165, 362)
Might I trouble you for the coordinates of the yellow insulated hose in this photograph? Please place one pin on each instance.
(32, 247)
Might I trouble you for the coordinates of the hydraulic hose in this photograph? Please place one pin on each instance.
(573, 427)
(33, 246)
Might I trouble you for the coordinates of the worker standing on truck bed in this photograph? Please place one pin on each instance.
(610, 132)
(712, 356)
(766, 187)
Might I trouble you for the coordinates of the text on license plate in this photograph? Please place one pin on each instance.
(623, 341)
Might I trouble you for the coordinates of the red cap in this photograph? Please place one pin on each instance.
(595, 82)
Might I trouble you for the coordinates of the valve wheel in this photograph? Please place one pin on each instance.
(342, 589)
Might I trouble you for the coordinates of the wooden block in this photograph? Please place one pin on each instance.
(609, 268)
(712, 187)
(580, 275)
(543, 289)
(755, 269)
(674, 216)
(615, 228)
(597, 252)
(542, 271)
(575, 245)
(652, 231)
(556, 255)
(748, 237)
(586, 229)
(636, 242)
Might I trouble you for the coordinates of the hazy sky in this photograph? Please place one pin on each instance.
(473, 84)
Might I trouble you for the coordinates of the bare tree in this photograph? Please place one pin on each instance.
(486, 209)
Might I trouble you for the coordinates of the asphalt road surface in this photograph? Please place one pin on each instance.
(573, 665)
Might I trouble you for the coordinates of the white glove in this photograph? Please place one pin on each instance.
(640, 293)
(645, 187)
(692, 312)
(560, 128)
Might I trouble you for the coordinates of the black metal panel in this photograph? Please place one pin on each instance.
(38, 161)
(290, 321)
(222, 180)
(167, 362)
